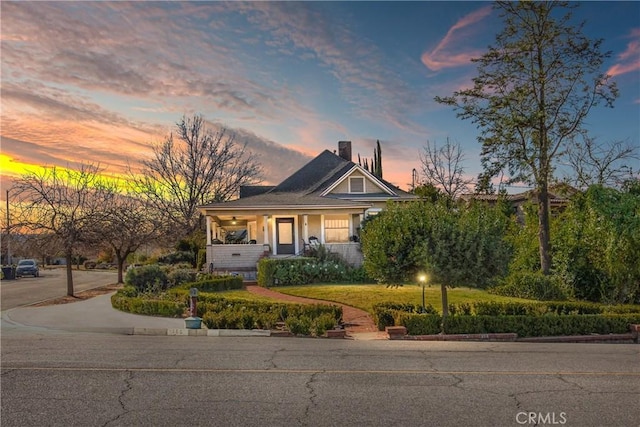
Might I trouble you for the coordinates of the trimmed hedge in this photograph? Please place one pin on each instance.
(524, 319)
(215, 284)
(524, 326)
(306, 270)
(150, 307)
(231, 313)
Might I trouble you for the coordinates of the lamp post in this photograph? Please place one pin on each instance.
(423, 279)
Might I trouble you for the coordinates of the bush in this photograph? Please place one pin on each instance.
(179, 276)
(302, 271)
(128, 291)
(387, 314)
(215, 283)
(147, 279)
(533, 285)
(299, 326)
(151, 307)
(420, 324)
(178, 257)
(322, 324)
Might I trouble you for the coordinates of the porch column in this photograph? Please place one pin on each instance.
(265, 229)
(208, 230)
(305, 228)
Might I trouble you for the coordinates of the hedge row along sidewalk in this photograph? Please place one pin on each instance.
(356, 321)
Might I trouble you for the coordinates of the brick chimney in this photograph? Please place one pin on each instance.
(344, 149)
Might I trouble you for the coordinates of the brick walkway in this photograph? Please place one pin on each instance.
(358, 323)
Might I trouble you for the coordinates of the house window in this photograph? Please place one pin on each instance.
(356, 184)
(336, 228)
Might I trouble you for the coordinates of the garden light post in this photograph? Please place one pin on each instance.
(193, 321)
(423, 279)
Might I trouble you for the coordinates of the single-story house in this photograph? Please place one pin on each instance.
(559, 196)
(324, 202)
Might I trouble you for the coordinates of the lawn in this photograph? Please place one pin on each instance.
(365, 296)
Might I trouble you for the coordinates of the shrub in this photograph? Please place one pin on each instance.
(148, 278)
(299, 326)
(420, 324)
(128, 291)
(302, 271)
(179, 276)
(177, 258)
(151, 307)
(322, 323)
(533, 285)
(215, 284)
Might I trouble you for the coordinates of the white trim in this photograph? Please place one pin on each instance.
(371, 178)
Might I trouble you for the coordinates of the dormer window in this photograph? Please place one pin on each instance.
(356, 184)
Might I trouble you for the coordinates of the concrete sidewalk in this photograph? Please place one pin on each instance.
(90, 315)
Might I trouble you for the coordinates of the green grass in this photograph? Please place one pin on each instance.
(365, 296)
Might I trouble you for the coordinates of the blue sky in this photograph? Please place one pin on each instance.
(102, 81)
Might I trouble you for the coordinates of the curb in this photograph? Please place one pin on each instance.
(202, 332)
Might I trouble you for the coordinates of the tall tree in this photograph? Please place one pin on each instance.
(443, 168)
(377, 161)
(63, 206)
(199, 166)
(532, 93)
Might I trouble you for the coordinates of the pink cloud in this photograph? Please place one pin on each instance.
(629, 60)
(441, 56)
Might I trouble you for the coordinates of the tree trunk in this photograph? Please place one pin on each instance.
(445, 306)
(543, 229)
(69, 266)
(120, 260)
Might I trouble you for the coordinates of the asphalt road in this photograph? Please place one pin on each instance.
(59, 378)
(52, 283)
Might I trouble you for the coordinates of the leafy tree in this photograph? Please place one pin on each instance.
(443, 167)
(598, 245)
(428, 192)
(453, 244)
(533, 91)
(64, 207)
(200, 166)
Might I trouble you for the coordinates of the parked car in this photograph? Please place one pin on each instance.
(27, 267)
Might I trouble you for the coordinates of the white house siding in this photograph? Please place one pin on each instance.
(234, 257)
(350, 252)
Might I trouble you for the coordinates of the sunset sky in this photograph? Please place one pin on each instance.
(99, 82)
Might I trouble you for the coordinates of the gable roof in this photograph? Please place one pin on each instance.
(320, 170)
(309, 186)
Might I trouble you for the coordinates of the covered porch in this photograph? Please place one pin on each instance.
(237, 240)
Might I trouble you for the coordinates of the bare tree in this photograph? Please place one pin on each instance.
(127, 225)
(443, 168)
(63, 206)
(598, 163)
(199, 166)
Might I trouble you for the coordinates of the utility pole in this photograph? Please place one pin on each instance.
(8, 231)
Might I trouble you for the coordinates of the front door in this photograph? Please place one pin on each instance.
(285, 244)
